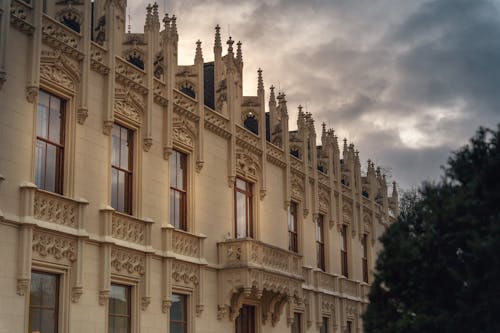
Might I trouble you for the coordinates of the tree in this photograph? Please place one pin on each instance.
(439, 270)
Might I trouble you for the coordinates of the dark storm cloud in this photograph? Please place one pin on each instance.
(406, 81)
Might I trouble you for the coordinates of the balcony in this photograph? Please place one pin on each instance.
(265, 273)
(126, 230)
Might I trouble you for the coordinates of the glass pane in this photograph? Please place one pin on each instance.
(177, 309)
(241, 184)
(181, 171)
(124, 149)
(48, 321)
(55, 121)
(173, 169)
(111, 324)
(121, 192)
(43, 98)
(119, 300)
(240, 215)
(35, 322)
(177, 327)
(40, 151)
(175, 208)
(50, 171)
(114, 188)
(172, 207)
(116, 146)
(121, 325)
(42, 121)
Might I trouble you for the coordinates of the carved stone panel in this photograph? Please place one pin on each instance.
(53, 247)
(185, 274)
(127, 262)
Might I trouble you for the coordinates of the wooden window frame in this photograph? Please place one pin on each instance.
(248, 192)
(129, 307)
(344, 252)
(320, 243)
(129, 179)
(364, 259)
(60, 147)
(56, 307)
(185, 322)
(293, 235)
(183, 192)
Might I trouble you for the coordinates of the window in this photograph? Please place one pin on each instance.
(178, 314)
(44, 303)
(245, 323)
(243, 208)
(293, 244)
(188, 89)
(136, 60)
(348, 328)
(297, 323)
(119, 312)
(364, 260)
(49, 151)
(324, 325)
(121, 169)
(178, 193)
(343, 251)
(251, 123)
(320, 243)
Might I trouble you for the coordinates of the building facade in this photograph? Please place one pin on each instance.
(138, 195)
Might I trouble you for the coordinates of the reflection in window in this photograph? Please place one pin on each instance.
(297, 323)
(243, 208)
(364, 260)
(320, 243)
(49, 150)
(293, 244)
(44, 303)
(121, 169)
(178, 186)
(178, 314)
(119, 313)
(324, 325)
(343, 251)
(245, 322)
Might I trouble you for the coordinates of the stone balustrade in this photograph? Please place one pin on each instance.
(183, 244)
(247, 252)
(126, 228)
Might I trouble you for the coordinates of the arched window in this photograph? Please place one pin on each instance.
(136, 60)
(71, 23)
(251, 123)
(295, 152)
(187, 89)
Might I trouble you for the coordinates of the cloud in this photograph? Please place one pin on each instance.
(407, 81)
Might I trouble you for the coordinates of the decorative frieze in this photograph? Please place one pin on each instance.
(128, 229)
(185, 274)
(97, 59)
(127, 262)
(130, 76)
(51, 246)
(61, 37)
(248, 140)
(184, 101)
(21, 16)
(297, 186)
(217, 123)
(275, 155)
(159, 92)
(185, 244)
(54, 208)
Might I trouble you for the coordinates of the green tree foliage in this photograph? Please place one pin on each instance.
(439, 270)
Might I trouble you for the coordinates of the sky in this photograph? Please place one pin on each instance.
(407, 82)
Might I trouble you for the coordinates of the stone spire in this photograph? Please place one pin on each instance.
(149, 16)
(239, 55)
(272, 99)
(166, 23)
(173, 27)
(218, 42)
(198, 54)
(155, 18)
(260, 81)
(230, 43)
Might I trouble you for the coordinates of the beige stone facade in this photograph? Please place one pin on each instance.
(200, 111)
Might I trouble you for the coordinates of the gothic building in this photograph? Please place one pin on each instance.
(138, 195)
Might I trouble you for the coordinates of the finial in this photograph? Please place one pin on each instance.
(174, 25)
(198, 55)
(239, 56)
(394, 190)
(230, 42)
(301, 114)
(218, 43)
(148, 14)
(260, 81)
(155, 17)
(129, 23)
(323, 128)
(166, 22)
